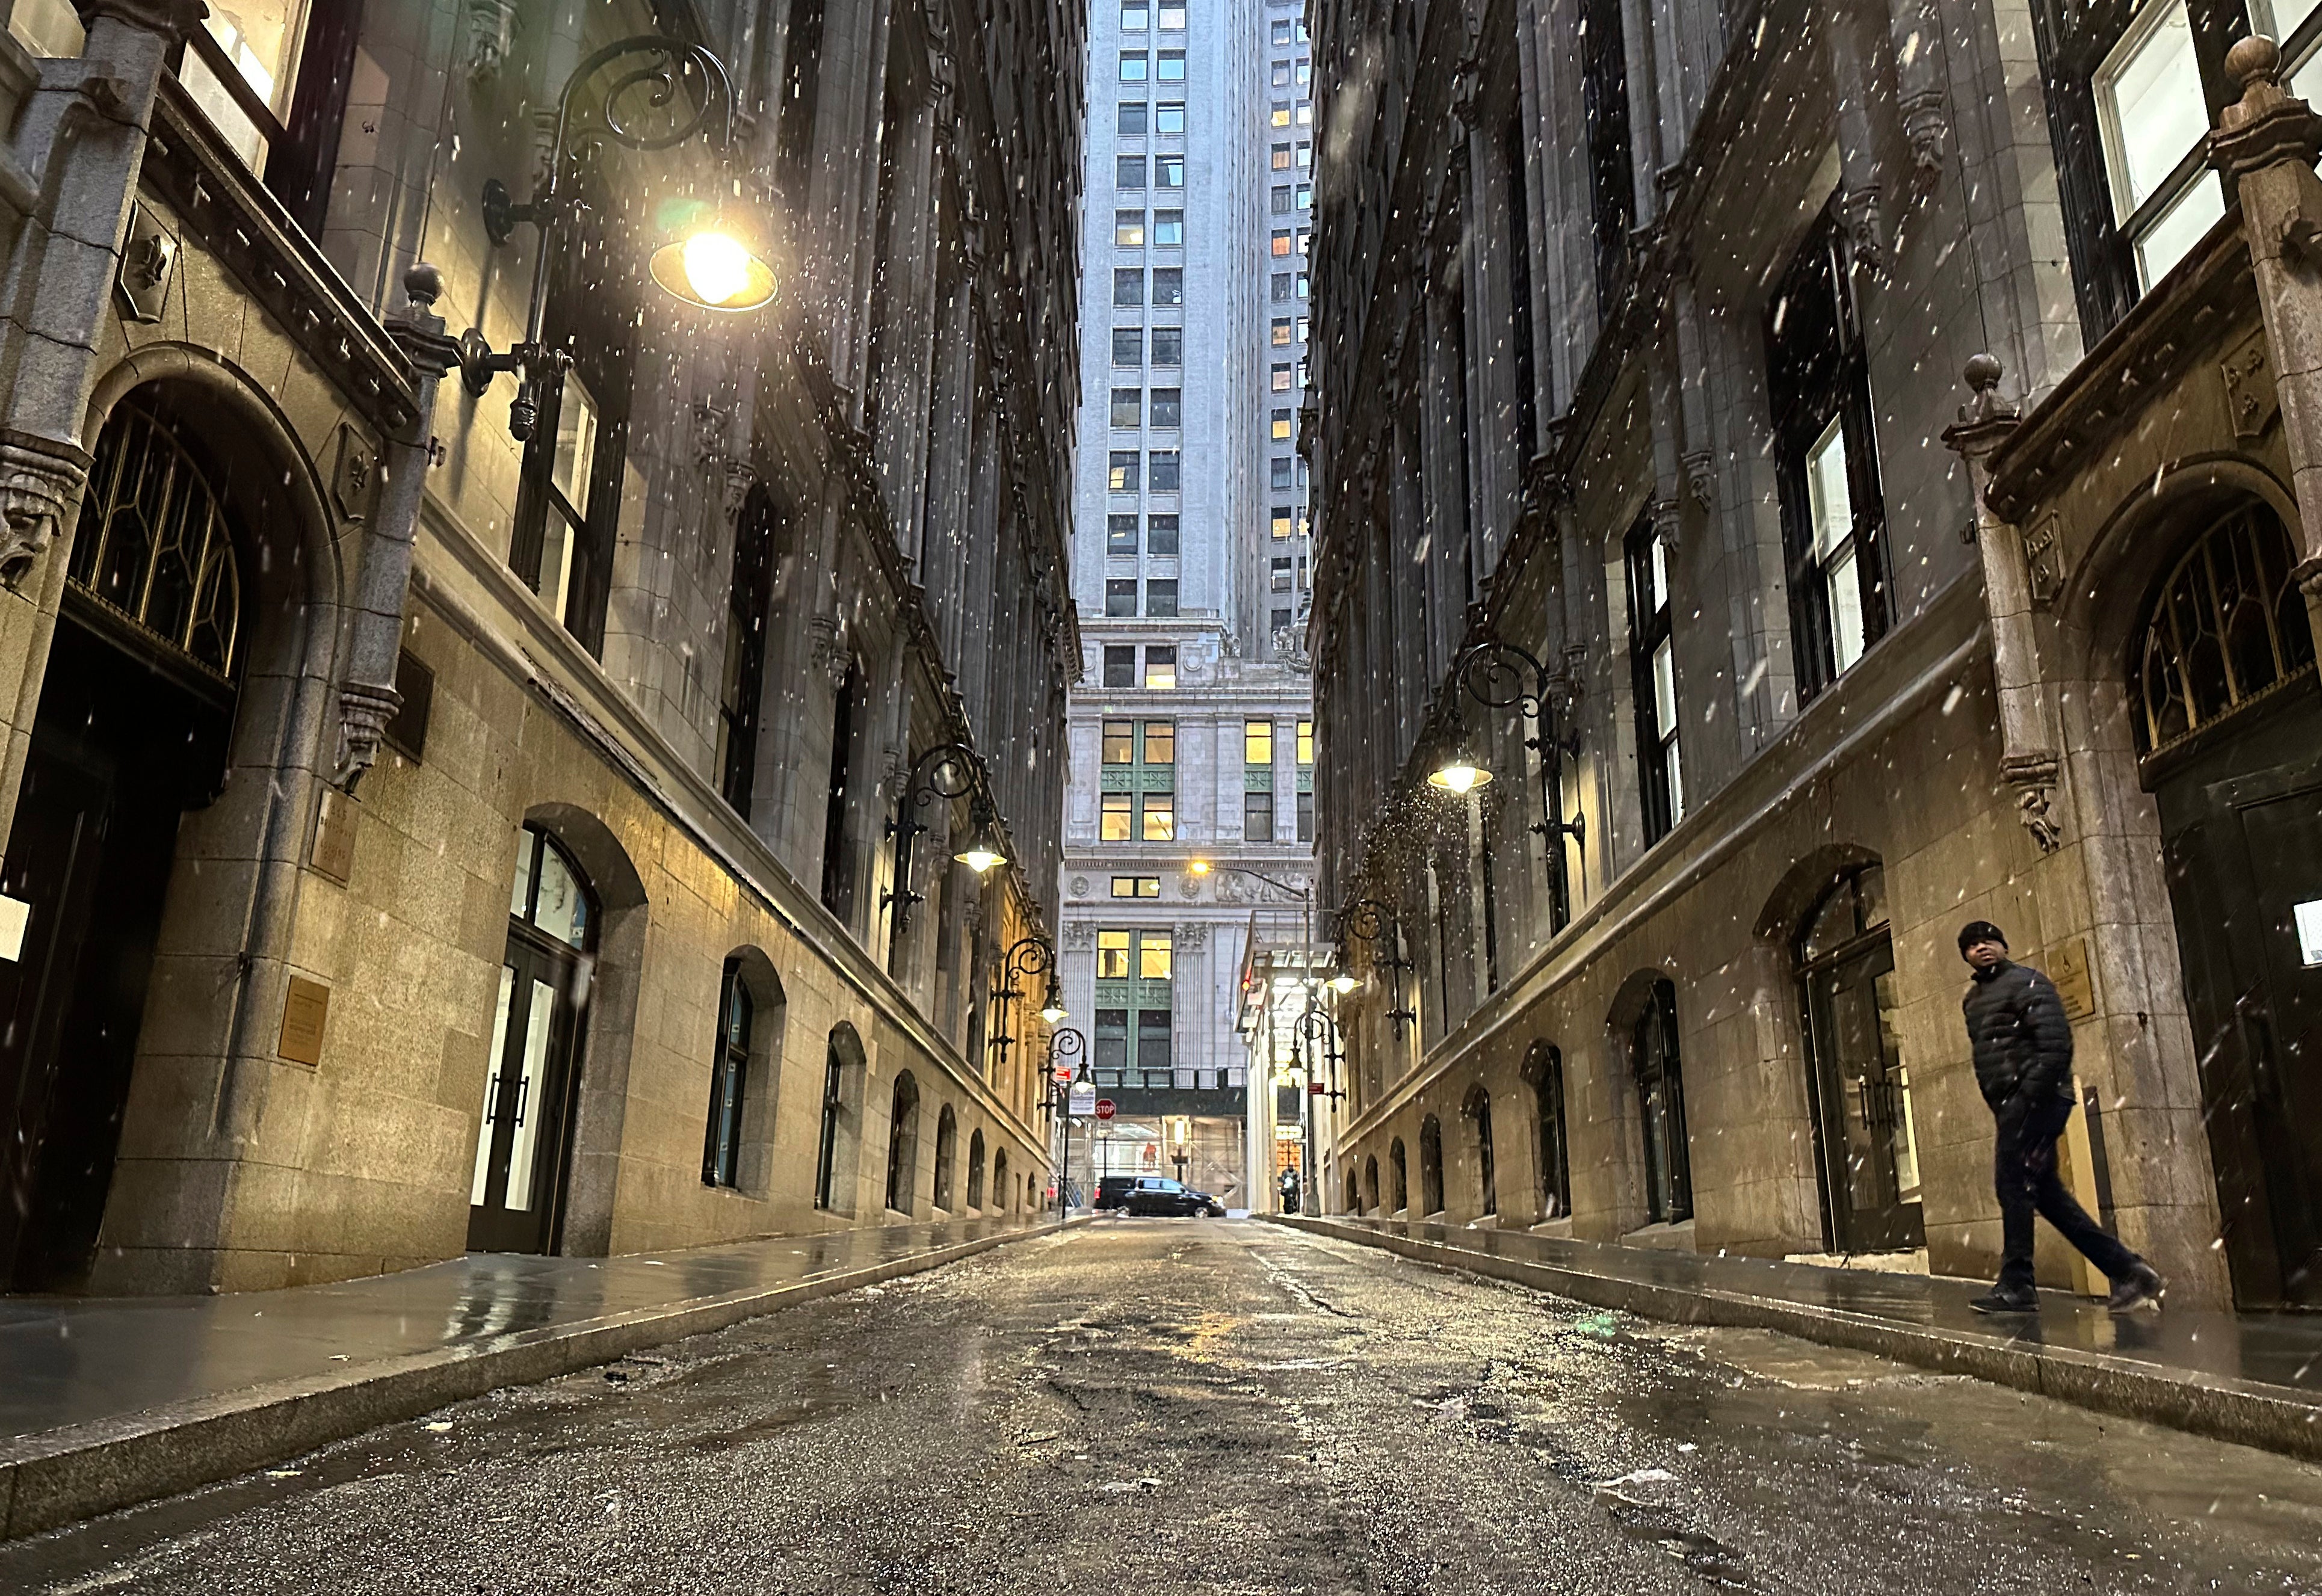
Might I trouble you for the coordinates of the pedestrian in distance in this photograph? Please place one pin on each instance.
(2023, 1048)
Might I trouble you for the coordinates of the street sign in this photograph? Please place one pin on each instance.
(1063, 1072)
(1105, 1109)
(1082, 1101)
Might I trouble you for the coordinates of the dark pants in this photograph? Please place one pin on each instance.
(2025, 1174)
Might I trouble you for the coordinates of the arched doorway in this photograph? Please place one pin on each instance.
(1399, 1166)
(136, 708)
(1660, 1106)
(2227, 726)
(999, 1192)
(1431, 1165)
(843, 1069)
(532, 1072)
(1543, 1070)
(903, 1144)
(1477, 1112)
(1370, 1184)
(1866, 1142)
(975, 1169)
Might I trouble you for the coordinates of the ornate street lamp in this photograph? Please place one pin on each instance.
(943, 773)
(709, 260)
(1065, 1046)
(1368, 920)
(1029, 955)
(1494, 674)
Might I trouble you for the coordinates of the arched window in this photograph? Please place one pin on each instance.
(845, 1056)
(1354, 1193)
(1401, 1168)
(1431, 1165)
(152, 546)
(903, 1144)
(749, 595)
(1477, 1111)
(947, 1154)
(1661, 1110)
(1000, 1179)
(1544, 1069)
(2226, 624)
(1370, 1185)
(975, 1169)
(721, 1153)
(1866, 1144)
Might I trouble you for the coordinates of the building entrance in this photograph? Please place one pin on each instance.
(136, 706)
(2229, 721)
(523, 1144)
(1864, 1138)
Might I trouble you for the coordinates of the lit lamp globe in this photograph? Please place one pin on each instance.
(1461, 774)
(1342, 983)
(1053, 1011)
(710, 264)
(1199, 867)
(984, 854)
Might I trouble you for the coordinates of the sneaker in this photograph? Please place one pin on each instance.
(1999, 1302)
(2144, 1285)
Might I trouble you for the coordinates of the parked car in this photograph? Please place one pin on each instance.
(1154, 1196)
(1112, 1192)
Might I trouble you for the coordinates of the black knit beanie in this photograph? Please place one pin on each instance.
(1975, 931)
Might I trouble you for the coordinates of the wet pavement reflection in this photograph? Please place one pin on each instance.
(1221, 1407)
(66, 1361)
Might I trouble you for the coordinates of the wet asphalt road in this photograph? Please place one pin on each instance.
(1194, 1406)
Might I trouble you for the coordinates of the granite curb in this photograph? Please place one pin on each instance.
(2247, 1412)
(61, 1476)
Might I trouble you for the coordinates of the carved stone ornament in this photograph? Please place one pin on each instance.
(1701, 478)
(1857, 220)
(38, 478)
(2034, 778)
(1080, 937)
(738, 480)
(1080, 886)
(1668, 517)
(2043, 575)
(355, 478)
(1192, 936)
(491, 34)
(1927, 128)
(365, 710)
(828, 651)
(148, 259)
(2251, 399)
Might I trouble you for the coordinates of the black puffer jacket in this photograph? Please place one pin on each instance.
(2023, 1042)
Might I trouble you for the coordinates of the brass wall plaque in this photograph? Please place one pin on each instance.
(2076, 984)
(304, 1012)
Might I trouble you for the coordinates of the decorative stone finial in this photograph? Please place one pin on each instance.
(424, 284)
(1983, 373)
(2255, 60)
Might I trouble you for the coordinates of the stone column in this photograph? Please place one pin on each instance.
(2266, 145)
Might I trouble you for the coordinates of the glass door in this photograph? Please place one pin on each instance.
(1867, 1142)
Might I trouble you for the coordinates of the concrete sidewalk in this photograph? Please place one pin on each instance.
(105, 1403)
(2251, 1378)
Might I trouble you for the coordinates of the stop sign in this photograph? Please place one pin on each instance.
(1104, 1108)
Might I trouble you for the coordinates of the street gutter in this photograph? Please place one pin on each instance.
(2276, 1417)
(60, 1476)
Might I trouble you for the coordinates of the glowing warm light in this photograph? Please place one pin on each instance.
(1342, 983)
(981, 859)
(1200, 866)
(717, 267)
(714, 268)
(1459, 777)
(1054, 1012)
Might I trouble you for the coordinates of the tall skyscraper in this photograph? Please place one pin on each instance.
(1191, 741)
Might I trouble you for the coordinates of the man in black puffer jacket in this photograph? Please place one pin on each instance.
(2023, 1047)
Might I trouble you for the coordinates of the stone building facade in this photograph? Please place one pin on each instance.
(1650, 483)
(453, 807)
(1190, 565)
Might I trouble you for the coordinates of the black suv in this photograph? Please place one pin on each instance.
(1112, 1192)
(1152, 1195)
